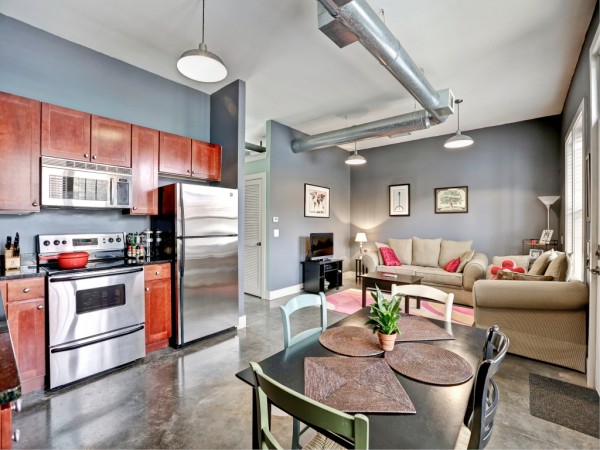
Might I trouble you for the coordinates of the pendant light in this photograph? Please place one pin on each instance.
(355, 159)
(200, 64)
(458, 140)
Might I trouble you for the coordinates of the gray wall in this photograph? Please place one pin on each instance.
(42, 66)
(505, 170)
(288, 173)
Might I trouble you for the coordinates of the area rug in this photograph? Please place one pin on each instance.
(565, 404)
(349, 301)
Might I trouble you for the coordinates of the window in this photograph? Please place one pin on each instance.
(574, 195)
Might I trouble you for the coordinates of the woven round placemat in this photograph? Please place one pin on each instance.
(429, 364)
(351, 341)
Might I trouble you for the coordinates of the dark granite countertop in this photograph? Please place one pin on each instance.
(10, 384)
(22, 272)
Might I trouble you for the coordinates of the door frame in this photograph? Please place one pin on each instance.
(262, 177)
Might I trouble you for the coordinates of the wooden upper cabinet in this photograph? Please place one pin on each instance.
(206, 161)
(144, 164)
(19, 153)
(65, 133)
(175, 155)
(111, 142)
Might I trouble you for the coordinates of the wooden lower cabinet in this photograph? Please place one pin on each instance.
(157, 291)
(26, 312)
(5, 426)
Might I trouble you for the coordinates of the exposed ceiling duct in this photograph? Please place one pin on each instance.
(346, 21)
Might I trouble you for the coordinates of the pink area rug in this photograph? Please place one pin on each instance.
(349, 301)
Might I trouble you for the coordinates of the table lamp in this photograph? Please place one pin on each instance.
(360, 238)
(547, 200)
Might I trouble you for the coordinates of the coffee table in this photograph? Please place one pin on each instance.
(384, 282)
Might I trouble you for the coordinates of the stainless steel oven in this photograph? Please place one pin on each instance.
(95, 315)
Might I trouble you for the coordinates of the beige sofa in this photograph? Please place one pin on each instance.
(545, 320)
(426, 258)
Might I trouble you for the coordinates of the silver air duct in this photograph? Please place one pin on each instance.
(344, 22)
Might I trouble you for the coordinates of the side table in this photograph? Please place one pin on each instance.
(359, 268)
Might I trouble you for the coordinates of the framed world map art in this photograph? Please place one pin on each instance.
(316, 201)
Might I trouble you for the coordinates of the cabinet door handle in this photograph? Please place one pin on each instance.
(86, 155)
(188, 170)
(26, 290)
(134, 208)
(94, 157)
(147, 289)
(40, 307)
(193, 172)
(157, 273)
(34, 204)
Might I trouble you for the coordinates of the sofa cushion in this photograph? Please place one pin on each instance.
(452, 265)
(464, 259)
(523, 276)
(559, 268)
(451, 250)
(426, 252)
(437, 275)
(379, 245)
(540, 265)
(403, 249)
(389, 257)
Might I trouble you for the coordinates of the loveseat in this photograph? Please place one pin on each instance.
(427, 258)
(545, 320)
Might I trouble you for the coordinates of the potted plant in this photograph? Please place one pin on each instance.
(384, 319)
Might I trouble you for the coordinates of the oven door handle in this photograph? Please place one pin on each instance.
(96, 341)
(100, 273)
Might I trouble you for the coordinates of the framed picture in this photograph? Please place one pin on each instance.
(546, 236)
(535, 253)
(316, 201)
(451, 200)
(400, 200)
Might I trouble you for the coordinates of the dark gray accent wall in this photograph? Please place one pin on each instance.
(288, 173)
(506, 169)
(227, 128)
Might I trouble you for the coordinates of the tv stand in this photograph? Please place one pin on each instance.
(315, 273)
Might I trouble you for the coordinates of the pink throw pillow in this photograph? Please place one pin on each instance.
(452, 265)
(508, 265)
(389, 257)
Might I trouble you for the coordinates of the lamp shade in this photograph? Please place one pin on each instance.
(459, 140)
(355, 160)
(548, 199)
(360, 237)
(202, 65)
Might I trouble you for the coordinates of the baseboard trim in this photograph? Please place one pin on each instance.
(273, 295)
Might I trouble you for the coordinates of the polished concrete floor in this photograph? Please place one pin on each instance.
(190, 398)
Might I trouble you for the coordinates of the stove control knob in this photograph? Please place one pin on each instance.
(118, 239)
(56, 242)
(111, 240)
(64, 242)
(46, 243)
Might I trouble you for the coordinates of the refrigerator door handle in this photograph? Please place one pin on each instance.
(181, 251)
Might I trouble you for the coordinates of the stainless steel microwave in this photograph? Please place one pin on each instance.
(79, 184)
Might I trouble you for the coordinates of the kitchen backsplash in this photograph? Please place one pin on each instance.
(49, 221)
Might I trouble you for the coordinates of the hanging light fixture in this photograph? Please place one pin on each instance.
(355, 159)
(459, 140)
(200, 64)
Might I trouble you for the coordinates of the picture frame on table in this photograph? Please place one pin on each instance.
(535, 253)
(546, 237)
(399, 195)
(451, 199)
(316, 201)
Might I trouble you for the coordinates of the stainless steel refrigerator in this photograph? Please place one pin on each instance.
(202, 224)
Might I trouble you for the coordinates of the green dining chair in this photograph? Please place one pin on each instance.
(353, 431)
(294, 304)
(485, 396)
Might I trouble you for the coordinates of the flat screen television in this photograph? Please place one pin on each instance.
(321, 246)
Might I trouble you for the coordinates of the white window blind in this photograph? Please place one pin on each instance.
(574, 192)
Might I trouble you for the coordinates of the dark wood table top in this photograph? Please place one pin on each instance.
(439, 409)
(397, 278)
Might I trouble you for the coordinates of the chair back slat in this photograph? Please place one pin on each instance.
(293, 305)
(426, 293)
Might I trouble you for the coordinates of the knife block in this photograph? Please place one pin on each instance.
(11, 262)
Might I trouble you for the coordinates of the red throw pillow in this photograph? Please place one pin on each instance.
(452, 265)
(389, 257)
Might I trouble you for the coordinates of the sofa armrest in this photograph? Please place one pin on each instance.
(474, 270)
(539, 295)
(370, 261)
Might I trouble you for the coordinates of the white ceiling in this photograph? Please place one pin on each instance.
(510, 60)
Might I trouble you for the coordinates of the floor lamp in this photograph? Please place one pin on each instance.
(548, 200)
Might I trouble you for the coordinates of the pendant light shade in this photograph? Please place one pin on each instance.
(200, 64)
(355, 159)
(459, 140)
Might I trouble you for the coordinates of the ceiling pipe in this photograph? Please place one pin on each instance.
(344, 22)
(418, 120)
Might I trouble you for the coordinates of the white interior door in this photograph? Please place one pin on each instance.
(254, 219)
